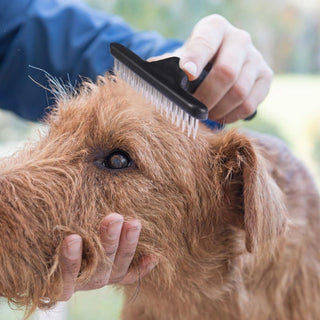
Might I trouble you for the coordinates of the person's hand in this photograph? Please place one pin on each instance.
(239, 79)
(120, 240)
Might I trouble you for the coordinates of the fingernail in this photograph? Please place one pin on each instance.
(190, 68)
(133, 234)
(114, 228)
(74, 249)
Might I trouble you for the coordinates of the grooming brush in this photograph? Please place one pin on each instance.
(164, 84)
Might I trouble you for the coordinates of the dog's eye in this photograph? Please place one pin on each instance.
(117, 159)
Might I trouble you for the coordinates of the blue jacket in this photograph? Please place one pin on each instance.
(66, 39)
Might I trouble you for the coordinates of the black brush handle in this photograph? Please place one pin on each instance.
(193, 85)
(168, 78)
(165, 76)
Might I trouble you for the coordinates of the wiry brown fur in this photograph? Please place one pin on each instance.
(233, 217)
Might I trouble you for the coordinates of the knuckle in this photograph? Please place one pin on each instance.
(97, 281)
(98, 284)
(116, 279)
(226, 73)
(245, 36)
(127, 254)
(66, 296)
(202, 41)
(111, 250)
(239, 92)
(247, 109)
(256, 55)
(265, 71)
(269, 73)
(72, 266)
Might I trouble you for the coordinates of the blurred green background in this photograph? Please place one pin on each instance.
(287, 32)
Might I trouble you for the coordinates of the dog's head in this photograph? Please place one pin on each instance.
(107, 150)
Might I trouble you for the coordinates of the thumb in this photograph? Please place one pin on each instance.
(203, 44)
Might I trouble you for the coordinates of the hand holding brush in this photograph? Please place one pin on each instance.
(239, 79)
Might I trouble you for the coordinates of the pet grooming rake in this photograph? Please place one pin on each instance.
(164, 84)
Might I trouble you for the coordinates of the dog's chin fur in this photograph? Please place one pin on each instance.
(233, 217)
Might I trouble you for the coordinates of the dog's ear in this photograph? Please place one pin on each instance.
(247, 189)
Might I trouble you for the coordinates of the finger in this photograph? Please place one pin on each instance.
(226, 68)
(248, 107)
(238, 92)
(203, 44)
(126, 250)
(110, 231)
(70, 262)
(146, 265)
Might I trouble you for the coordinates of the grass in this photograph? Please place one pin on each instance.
(292, 111)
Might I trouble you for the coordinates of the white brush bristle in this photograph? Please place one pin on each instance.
(164, 105)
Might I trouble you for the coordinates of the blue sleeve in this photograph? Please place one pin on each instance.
(66, 39)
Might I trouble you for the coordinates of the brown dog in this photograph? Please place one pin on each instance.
(233, 217)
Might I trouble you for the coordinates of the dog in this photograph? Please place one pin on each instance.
(232, 216)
